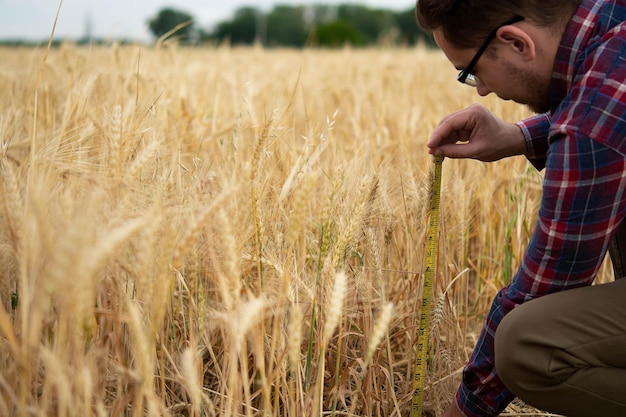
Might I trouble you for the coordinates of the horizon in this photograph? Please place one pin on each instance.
(33, 20)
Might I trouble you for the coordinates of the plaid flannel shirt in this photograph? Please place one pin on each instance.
(581, 144)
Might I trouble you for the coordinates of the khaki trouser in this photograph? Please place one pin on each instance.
(566, 352)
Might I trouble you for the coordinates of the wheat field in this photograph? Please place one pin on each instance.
(240, 232)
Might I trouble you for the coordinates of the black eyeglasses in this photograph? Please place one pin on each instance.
(466, 76)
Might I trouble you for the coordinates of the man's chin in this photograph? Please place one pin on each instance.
(539, 105)
(539, 109)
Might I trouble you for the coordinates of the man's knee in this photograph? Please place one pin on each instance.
(521, 358)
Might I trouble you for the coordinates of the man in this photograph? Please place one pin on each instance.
(562, 345)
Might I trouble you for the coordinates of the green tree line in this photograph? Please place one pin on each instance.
(296, 26)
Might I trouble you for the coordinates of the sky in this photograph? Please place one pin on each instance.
(115, 19)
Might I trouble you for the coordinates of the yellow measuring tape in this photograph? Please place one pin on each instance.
(421, 357)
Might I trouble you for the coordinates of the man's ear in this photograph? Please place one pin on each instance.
(518, 39)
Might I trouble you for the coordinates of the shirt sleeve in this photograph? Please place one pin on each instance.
(582, 204)
(536, 131)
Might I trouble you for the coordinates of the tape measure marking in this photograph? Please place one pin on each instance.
(421, 357)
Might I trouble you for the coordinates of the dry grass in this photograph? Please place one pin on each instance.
(239, 232)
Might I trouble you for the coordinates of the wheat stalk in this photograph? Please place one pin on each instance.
(142, 202)
(378, 333)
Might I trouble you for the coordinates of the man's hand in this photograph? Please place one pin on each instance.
(476, 133)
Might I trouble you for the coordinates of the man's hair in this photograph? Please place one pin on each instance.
(467, 23)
